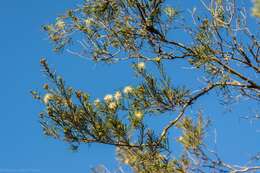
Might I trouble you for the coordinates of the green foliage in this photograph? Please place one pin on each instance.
(140, 31)
(148, 160)
(192, 136)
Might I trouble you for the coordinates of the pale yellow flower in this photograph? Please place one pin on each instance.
(47, 98)
(139, 114)
(180, 138)
(60, 24)
(157, 59)
(108, 98)
(141, 66)
(88, 22)
(96, 102)
(117, 96)
(126, 161)
(170, 11)
(112, 105)
(128, 89)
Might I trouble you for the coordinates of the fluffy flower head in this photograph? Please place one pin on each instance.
(47, 98)
(88, 22)
(170, 12)
(60, 24)
(108, 98)
(128, 89)
(117, 96)
(180, 138)
(112, 105)
(141, 66)
(96, 102)
(139, 114)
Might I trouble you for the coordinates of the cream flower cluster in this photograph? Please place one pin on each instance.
(128, 90)
(180, 138)
(47, 98)
(112, 105)
(118, 96)
(170, 11)
(112, 101)
(60, 24)
(141, 66)
(108, 98)
(88, 22)
(96, 102)
(138, 114)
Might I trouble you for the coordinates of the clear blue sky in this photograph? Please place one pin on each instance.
(22, 144)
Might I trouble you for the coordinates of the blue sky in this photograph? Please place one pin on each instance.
(22, 144)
